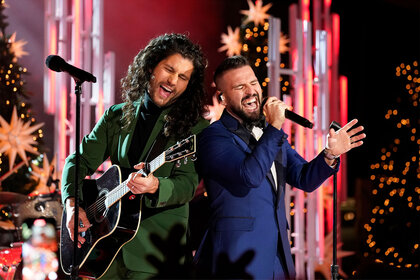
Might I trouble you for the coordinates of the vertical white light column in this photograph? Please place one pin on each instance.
(78, 38)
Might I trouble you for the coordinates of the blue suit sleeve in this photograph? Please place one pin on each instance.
(307, 176)
(224, 157)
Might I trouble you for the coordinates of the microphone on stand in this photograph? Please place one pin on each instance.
(57, 64)
(294, 117)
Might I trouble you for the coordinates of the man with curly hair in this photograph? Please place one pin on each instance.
(163, 97)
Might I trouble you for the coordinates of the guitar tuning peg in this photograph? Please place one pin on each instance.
(178, 163)
(185, 160)
(193, 157)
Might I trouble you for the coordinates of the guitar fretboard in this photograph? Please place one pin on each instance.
(118, 192)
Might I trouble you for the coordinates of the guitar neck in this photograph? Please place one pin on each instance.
(118, 192)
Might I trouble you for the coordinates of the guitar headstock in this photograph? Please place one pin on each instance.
(181, 149)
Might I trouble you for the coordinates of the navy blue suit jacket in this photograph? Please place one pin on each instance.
(247, 212)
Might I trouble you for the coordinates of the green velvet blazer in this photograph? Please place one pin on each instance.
(177, 185)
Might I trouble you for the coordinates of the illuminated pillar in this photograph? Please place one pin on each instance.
(83, 48)
(314, 95)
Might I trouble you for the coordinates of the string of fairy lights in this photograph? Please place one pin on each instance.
(255, 47)
(19, 132)
(396, 177)
(251, 41)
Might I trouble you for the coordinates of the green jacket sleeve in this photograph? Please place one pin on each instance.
(94, 150)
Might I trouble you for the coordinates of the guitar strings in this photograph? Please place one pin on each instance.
(99, 205)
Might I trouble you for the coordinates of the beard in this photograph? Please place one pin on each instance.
(250, 120)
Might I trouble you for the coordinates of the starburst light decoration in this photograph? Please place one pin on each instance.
(16, 138)
(284, 41)
(324, 267)
(231, 42)
(17, 46)
(42, 174)
(257, 13)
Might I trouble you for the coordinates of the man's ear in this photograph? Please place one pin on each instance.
(221, 97)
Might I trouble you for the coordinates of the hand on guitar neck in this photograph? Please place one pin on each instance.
(139, 183)
(84, 223)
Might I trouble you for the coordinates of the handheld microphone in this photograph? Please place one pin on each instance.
(57, 64)
(294, 117)
(298, 119)
(334, 125)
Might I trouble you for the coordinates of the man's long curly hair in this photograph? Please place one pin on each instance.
(188, 107)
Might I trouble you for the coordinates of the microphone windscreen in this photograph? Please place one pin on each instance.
(54, 62)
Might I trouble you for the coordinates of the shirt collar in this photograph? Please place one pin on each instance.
(150, 107)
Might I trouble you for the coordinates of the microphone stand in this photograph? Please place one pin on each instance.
(75, 268)
(334, 266)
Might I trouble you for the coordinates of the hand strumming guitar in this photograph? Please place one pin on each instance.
(84, 223)
(140, 184)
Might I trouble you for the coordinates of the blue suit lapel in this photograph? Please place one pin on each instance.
(243, 134)
(280, 176)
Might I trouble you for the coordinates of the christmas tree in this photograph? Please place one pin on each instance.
(251, 41)
(392, 235)
(20, 134)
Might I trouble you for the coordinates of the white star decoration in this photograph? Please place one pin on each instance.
(284, 40)
(256, 13)
(43, 174)
(17, 46)
(16, 138)
(325, 267)
(231, 43)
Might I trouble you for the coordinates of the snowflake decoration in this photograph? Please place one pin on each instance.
(256, 13)
(284, 40)
(231, 42)
(17, 46)
(16, 138)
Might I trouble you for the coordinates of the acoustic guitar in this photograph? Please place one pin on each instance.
(114, 213)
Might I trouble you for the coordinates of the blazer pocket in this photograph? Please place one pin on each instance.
(235, 223)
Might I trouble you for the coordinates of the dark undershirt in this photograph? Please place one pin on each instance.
(149, 113)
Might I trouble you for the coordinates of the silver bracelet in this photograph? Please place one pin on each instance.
(330, 156)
